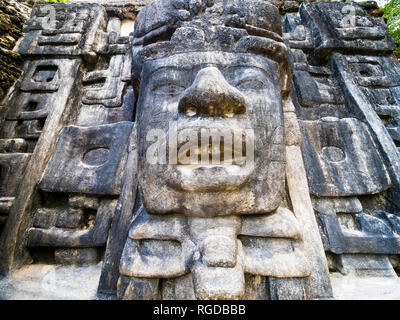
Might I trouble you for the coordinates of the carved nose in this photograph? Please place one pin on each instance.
(211, 95)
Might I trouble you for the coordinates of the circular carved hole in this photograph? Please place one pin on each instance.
(96, 157)
(333, 154)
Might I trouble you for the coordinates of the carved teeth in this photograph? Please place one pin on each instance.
(217, 154)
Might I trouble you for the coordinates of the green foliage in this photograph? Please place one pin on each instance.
(392, 14)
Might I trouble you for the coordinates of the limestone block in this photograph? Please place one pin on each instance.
(292, 129)
(365, 265)
(274, 257)
(281, 224)
(70, 219)
(94, 235)
(98, 114)
(338, 26)
(153, 258)
(288, 289)
(64, 29)
(88, 160)
(141, 289)
(45, 218)
(296, 32)
(30, 106)
(180, 288)
(12, 170)
(373, 225)
(13, 146)
(391, 219)
(157, 227)
(256, 287)
(219, 283)
(110, 94)
(341, 159)
(345, 205)
(44, 75)
(375, 236)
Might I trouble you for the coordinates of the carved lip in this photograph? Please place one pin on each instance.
(208, 178)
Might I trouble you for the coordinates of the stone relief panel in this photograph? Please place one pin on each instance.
(28, 107)
(345, 27)
(378, 80)
(102, 142)
(60, 29)
(86, 166)
(68, 219)
(350, 162)
(235, 235)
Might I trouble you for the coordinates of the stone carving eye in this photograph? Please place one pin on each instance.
(168, 89)
(168, 82)
(249, 78)
(96, 157)
(251, 84)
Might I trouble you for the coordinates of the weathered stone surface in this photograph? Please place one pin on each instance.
(91, 234)
(334, 148)
(173, 183)
(337, 26)
(344, 205)
(88, 160)
(283, 224)
(187, 211)
(288, 289)
(12, 168)
(370, 224)
(320, 286)
(153, 258)
(149, 109)
(128, 205)
(139, 289)
(364, 265)
(13, 238)
(287, 260)
(391, 219)
(78, 257)
(180, 288)
(343, 71)
(256, 287)
(61, 29)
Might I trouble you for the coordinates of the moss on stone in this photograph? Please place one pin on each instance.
(13, 15)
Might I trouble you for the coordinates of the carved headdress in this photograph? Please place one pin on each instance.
(167, 27)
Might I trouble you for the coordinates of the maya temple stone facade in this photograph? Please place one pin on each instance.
(311, 91)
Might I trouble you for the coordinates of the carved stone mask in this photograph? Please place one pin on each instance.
(201, 84)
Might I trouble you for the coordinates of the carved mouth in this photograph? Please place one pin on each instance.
(209, 165)
(209, 153)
